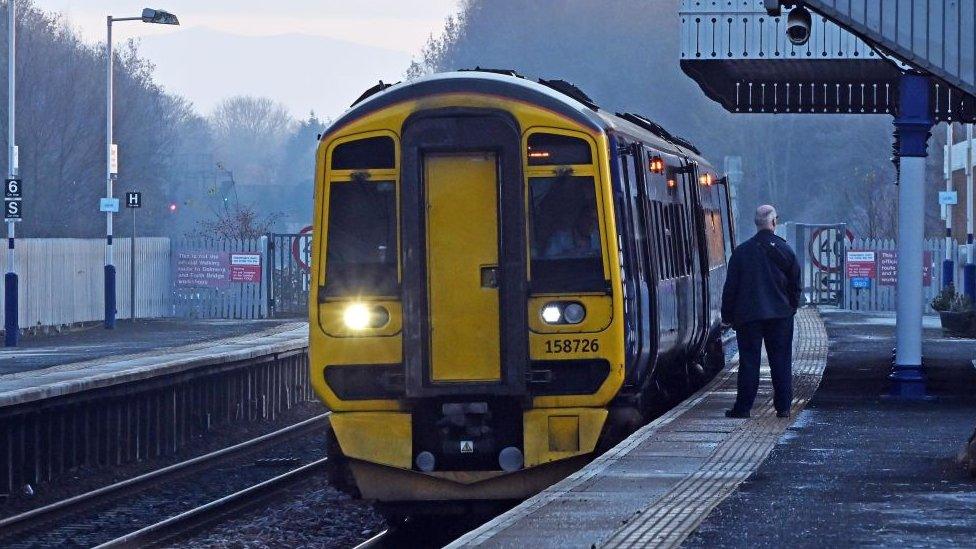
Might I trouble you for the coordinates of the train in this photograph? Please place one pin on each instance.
(505, 280)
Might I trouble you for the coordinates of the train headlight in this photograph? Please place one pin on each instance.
(359, 316)
(552, 313)
(574, 313)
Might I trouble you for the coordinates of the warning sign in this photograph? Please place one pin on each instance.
(467, 447)
(888, 268)
(861, 264)
(215, 269)
(245, 267)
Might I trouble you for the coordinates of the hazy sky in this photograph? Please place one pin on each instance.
(309, 54)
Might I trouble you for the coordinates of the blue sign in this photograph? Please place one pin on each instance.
(860, 282)
(108, 205)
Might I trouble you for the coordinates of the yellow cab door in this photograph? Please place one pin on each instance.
(461, 193)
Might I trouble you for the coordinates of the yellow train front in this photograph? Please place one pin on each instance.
(467, 318)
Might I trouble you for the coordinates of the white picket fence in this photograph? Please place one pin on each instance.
(882, 298)
(62, 280)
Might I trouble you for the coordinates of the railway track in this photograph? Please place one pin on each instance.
(184, 524)
(46, 516)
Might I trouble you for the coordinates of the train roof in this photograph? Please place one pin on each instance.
(556, 95)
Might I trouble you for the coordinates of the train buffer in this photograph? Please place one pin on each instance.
(851, 467)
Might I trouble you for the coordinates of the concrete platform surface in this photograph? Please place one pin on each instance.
(858, 468)
(159, 350)
(654, 488)
(38, 351)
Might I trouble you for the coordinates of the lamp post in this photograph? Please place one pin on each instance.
(158, 17)
(11, 323)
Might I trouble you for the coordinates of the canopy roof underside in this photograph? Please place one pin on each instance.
(741, 57)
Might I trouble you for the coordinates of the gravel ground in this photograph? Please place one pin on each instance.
(86, 479)
(311, 515)
(119, 517)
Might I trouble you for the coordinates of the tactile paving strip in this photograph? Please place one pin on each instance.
(737, 447)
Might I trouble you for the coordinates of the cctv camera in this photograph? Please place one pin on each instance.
(798, 25)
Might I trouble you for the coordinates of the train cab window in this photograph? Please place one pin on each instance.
(361, 250)
(376, 153)
(548, 149)
(566, 253)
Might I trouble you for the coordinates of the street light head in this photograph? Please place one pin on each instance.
(159, 17)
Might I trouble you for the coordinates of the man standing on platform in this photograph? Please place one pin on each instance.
(760, 298)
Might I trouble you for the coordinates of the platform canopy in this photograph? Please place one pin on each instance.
(742, 58)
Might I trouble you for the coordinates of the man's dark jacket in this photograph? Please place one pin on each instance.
(763, 281)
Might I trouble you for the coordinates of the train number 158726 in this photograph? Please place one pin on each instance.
(573, 345)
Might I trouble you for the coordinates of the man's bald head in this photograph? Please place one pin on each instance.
(766, 217)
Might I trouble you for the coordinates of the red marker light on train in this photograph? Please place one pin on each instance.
(656, 164)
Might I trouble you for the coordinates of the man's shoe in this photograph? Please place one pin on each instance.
(783, 414)
(737, 414)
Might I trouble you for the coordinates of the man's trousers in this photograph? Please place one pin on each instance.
(777, 333)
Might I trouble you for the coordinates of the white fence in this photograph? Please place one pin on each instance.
(881, 297)
(62, 280)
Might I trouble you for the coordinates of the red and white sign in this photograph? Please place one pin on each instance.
(212, 269)
(245, 267)
(888, 268)
(301, 248)
(861, 264)
(200, 269)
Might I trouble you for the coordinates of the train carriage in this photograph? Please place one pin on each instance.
(507, 278)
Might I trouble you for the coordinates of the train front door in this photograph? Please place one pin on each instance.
(465, 255)
(462, 264)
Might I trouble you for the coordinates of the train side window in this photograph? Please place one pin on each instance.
(658, 229)
(361, 246)
(375, 153)
(716, 239)
(678, 235)
(726, 214)
(549, 149)
(669, 230)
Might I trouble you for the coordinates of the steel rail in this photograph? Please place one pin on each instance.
(37, 517)
(179, 525)
(376, 540)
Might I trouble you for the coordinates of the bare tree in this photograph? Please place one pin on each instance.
(239, 222)
(249, 135)
(872, 204)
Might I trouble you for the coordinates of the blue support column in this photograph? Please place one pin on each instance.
(948, 266)
(110, 297)
(11, 324)
(913, 127)
(969, 280)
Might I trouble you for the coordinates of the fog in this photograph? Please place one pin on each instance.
(625, 55)
(249, 156)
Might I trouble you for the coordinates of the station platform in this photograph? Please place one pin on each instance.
(38, 351)
(57, 365)
(851, 466)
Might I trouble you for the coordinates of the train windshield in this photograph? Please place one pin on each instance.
(566, 251)
(361, 251)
